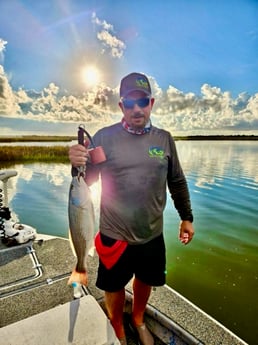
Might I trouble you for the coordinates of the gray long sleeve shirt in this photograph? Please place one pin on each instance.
(134, 179)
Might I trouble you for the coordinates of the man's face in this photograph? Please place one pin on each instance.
(137, 113)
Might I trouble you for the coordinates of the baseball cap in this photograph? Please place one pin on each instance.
(134, 82)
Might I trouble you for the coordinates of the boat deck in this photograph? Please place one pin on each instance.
(33, 286)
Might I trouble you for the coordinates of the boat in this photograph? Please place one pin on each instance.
(38, 307)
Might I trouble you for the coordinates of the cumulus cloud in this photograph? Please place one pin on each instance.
(107, 37)
(212, 110)
(8, 104)
(50, 105)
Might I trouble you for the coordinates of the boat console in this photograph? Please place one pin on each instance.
(11, 233)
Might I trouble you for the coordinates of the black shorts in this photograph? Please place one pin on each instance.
(146, 261)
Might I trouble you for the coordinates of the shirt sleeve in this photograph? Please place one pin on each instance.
(177, 185)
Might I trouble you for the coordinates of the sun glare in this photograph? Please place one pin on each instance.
(96, 192)
(90, 75)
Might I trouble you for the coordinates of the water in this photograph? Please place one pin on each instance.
(218, 271)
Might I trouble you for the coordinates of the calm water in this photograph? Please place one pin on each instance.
(218, 271)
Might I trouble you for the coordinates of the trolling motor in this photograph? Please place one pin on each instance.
(10, 232)
(97, 154)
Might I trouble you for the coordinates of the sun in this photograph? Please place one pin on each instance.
(91, 75)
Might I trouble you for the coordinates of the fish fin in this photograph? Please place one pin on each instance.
(78, 277)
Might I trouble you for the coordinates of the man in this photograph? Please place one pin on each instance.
(141, 162)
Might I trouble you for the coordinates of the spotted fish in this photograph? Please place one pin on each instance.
(81, 224)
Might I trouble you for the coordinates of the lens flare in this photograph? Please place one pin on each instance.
(90, 75)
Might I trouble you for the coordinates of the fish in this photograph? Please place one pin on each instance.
(81, 224)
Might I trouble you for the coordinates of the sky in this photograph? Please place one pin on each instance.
(61, 62)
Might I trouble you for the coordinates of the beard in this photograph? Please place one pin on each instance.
(138, 121)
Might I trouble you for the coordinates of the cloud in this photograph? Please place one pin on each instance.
(108, 39)
(8, 104)
(50, 105)
(2, 45)
(103, 24)
(212, 110)
(2, 49)
(7, 99)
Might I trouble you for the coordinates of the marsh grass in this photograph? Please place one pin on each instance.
(36, 138)
(27, 154)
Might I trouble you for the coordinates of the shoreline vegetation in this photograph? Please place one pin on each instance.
(29, 154)
(36, 138)
(59, 153)
(58, 138)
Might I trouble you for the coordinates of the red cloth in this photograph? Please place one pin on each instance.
(109, 255)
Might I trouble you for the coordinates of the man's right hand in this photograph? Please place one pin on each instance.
(78, 155)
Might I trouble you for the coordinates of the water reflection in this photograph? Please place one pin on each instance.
(211, 161)
(207, 162)
(219, 269)
(36, 179)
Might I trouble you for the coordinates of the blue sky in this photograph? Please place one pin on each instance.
(201, 57)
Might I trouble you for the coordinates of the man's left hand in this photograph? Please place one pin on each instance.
(186, 231)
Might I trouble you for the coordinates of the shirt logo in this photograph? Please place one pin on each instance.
(156, 152)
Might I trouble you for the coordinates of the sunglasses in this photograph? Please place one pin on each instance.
(141, 102)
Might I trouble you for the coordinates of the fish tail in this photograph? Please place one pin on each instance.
(78, 277)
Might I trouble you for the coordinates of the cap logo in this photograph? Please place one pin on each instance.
(142, 83)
